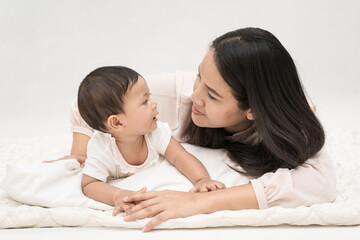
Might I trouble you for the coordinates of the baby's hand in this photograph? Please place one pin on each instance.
(206, 185)
(119, 204)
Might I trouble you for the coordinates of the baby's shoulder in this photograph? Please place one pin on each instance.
(100, 140)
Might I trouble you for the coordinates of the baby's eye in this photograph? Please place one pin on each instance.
(146, 101)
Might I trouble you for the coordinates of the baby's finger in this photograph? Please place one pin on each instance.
(220, 185)
(193, 190)
(203, 188)
(138, 197)
(117, 210)
(141, 190)
(126, 207)
(211, 187)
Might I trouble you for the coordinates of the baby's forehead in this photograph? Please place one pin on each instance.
(139, 89)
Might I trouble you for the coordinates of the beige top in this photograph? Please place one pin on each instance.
(310, 183)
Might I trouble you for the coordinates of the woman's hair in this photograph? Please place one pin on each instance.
(263, 78)
(101, 94)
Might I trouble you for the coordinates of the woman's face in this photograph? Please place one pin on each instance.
(214, 106)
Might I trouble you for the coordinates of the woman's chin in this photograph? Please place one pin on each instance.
(198, 120)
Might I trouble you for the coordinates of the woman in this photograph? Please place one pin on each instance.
(248, 99)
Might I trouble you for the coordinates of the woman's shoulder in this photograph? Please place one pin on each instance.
(172, 92)
(321, 158)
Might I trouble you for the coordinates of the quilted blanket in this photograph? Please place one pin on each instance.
(36, 194)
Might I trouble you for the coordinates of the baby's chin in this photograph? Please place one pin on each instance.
(153, 127)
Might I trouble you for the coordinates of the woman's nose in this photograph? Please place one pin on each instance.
(196, 96)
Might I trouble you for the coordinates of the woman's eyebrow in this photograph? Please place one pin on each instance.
(210, 89)
(213, 91)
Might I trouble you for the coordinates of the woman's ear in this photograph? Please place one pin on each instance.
(115, 122)
(249, 115)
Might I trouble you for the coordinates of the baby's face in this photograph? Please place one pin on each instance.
(140, 110)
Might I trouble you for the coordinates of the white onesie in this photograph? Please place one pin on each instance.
(105, 160)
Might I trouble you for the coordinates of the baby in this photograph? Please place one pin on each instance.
(116, 102)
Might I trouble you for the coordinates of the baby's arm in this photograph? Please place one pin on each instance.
(191, 167)
(103, 192)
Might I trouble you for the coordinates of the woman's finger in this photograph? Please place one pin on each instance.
(144, 213)
(155, 221)
(144, 204)
(80, 159)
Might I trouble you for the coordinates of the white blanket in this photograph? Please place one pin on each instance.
(50, 194)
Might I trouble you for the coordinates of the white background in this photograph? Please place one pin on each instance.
(48, 46)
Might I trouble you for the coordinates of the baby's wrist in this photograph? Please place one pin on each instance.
(117, 195)
(202, 179)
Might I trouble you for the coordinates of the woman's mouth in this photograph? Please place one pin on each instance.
(195, 111)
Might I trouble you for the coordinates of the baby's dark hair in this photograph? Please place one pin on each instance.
(101, 94)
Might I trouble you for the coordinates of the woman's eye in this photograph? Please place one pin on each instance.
(211, 97)
(198, 76)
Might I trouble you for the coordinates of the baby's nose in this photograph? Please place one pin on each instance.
(154, 103)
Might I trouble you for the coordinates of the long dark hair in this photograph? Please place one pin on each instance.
(263, 78)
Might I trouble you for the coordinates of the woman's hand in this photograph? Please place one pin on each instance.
(163, 205)
(119, 204)
(80, 159)
(206, 185)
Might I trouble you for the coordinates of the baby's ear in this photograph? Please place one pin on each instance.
(115, 122)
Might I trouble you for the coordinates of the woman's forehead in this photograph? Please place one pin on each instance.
(211, 75)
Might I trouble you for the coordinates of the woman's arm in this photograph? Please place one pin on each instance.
(79, 144)
(78, 149)
(313, 182)
(308, 184)
(164, 205)
(81, 131)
